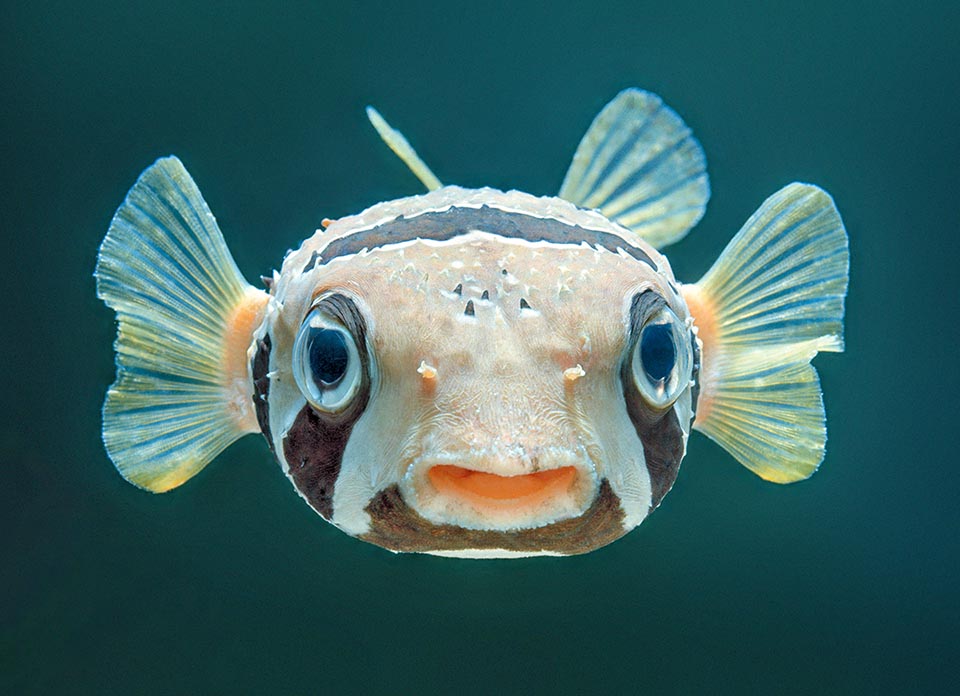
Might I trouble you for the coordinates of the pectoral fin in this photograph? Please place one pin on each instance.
(772, 300)
(186, 317)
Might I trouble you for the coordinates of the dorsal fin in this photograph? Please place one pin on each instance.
(403, 149)
(639, 166)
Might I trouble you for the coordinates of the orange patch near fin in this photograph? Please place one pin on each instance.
(704, 320)
(238, 336)
(490, 490)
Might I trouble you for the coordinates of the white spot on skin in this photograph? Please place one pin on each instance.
(572, 374)
(426, 370)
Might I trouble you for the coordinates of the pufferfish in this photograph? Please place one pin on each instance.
(473, 372)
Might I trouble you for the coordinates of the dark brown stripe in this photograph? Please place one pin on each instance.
(313, 447)
(398, 527)
(312, 262)
(261, 388)
(453, 222)
(659, 431)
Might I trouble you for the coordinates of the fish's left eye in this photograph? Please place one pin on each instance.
(661, 359)
(326, 362)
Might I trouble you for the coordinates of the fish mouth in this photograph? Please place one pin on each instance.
(504, 492)
(487, 495)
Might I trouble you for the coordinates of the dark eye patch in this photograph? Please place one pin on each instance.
(659, 431)
(313, 446)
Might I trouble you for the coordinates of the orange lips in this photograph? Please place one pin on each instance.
(490, 490)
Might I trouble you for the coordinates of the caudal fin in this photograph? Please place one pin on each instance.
(772, 300)
(186, 317)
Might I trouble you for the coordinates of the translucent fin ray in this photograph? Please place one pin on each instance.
(771, 302)
(639, 165)
(403, 149)
(184, 313)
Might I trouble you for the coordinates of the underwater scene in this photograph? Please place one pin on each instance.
(630, 327)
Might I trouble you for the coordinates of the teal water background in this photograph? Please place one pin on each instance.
(846, 583)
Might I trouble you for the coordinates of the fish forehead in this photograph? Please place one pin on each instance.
(495, 295)
(411, 258)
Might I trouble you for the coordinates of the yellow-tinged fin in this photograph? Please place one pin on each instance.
(639, 165)
(185, 317)
(403, 149)
(772, 300)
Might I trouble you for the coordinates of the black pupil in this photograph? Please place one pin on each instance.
(328, 356)
(657, 352)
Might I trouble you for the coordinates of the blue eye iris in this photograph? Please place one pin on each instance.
(326, 362)
(328, 356)
(662, 359)
(658, 354)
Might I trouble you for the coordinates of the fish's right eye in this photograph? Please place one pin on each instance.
(326, 362)
(662, 360)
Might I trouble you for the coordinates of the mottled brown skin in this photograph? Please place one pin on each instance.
(663, 447)
(398, 526)
(313, 449)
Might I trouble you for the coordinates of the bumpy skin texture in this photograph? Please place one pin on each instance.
(502, 309)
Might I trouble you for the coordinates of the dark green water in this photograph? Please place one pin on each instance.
(846, 583)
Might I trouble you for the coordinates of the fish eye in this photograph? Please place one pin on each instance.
(661, 359)
(326, 362)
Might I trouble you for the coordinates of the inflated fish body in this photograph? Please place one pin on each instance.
(476, 372)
